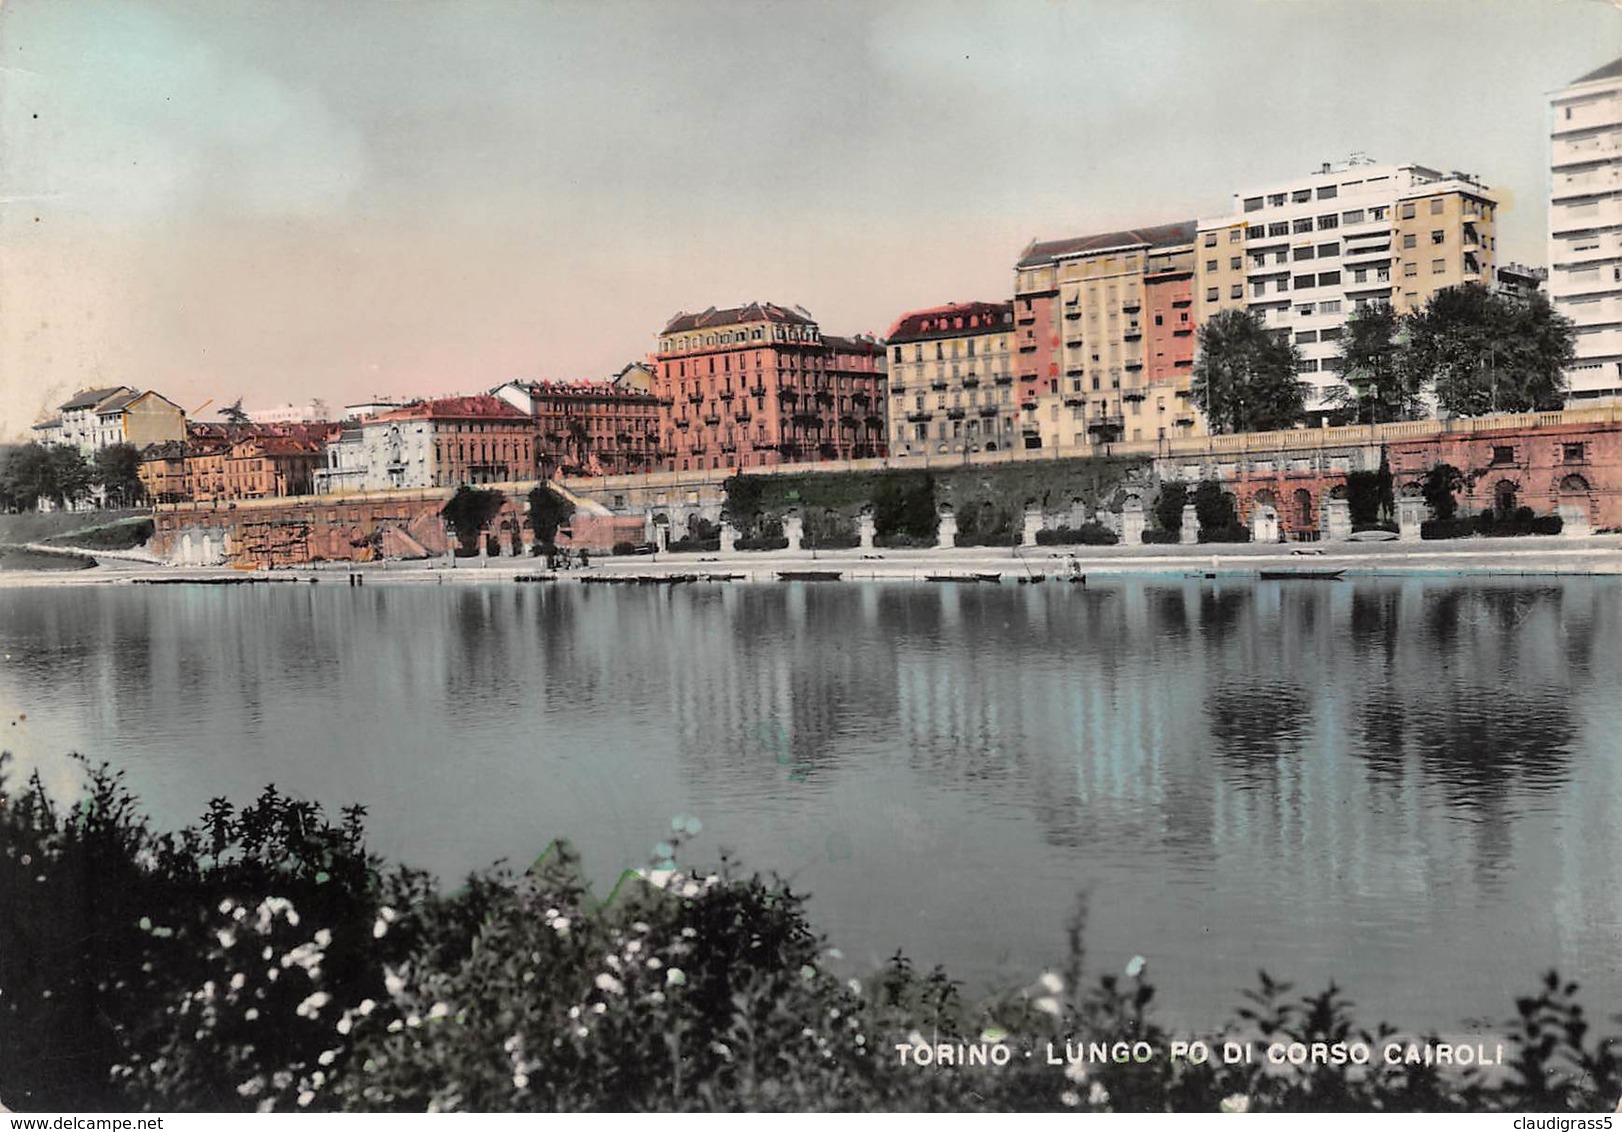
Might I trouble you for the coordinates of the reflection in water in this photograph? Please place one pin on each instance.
(1394, 783)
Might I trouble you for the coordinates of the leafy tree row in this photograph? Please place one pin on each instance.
(62, 475)
(1470, 351)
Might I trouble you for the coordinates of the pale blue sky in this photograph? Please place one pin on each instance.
(281, 200)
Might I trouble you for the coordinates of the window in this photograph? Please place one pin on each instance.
(1302, 282)
(1304, 224)
(1236, 262)
(1330, 307)
(1329, 279)
(1574, 453)
(1327, 192)
(1438, 266)
(1282, 284)
(1303, 253)
(1234, 236)
(1361, 275)
(1355, 216)
(1436, 206)
(1237, 291)
(1408, 211)
(1210, 239)
(1330, 221)
(1300, 195)
(1210, 265)
(1279, 228)
(1409, 240)
(1378, 213)
(1437, 236)
(1258, 260)
(1409, 270)
(1329, 334)
(1307, 365)
(1275, 199)
(1258, 288)
(1304, 336)
(1255, 232)
(1503, 454)
(1159, 321)
(1211, 294)
(1325, 251)
(1252, 203)
(1306, 308)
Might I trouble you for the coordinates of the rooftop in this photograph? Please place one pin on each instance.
(732, 316)
(480, 406)
(89, 398)
(1611, 70)
(951, 321)
(1159, 236)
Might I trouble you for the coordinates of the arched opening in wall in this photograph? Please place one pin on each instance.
(1574, 485)
(1503, 498)
(1303, 507)
(1338, 491)
(1263, 498)
(991, 446)
(1413, 489)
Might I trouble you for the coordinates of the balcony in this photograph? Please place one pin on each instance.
(955, 413)
(757, 390)
(712, 418)
(696, 398)
(986, 411)
(860, 398)
(1004, 379)
(972, 381)
(1074, 343)
(1029, 404)
(874, 420)
(743, 415)
(683, 422)
(1133, 334)
(1134, 395)
(1027, 318)
(1074, 371)
(938, 385)
(897, 387)
(1134, 363)
(1075, 399)
(807, 420)
(1132, 305)
(920, 415)
(1072, 315)
(1106, 428)
(726, 394)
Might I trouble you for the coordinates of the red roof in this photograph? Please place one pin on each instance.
(954, 320)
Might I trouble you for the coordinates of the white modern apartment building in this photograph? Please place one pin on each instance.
(1320, 246)
(1585, 227)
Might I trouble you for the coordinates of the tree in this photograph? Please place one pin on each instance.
(1438, 488)
(69, 475)
(1487, 353)
(1377, 383)
(1169, 505)
(235, 415)
(1214, 507)
(118, 471)
(468, 512)
(1244, 377)
(547, 512)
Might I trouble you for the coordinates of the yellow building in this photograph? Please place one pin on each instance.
(952, 380)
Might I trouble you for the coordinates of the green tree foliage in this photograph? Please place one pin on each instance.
(1439, 487)
(118, 471)
(745, 503)
(1168, 508)
(905, 505)
(468, 512)
(71, 475)
(1377, 384)
(1482, 352)
(1245, 376)
(1216, 512)
(235, 415)
(55, 472)
(1370, 499)
(547, 512)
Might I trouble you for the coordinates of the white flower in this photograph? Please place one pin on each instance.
(1076, 1071)
(656, 997)
(323, 938)
(609, 983)
(225, 905)
(266, 953)
(366, 1007)
(292, 918)
(633, 946)
(305, 1098)
(312, 1004)
(438, 1010)
(328, 1056)
(690, 889)
(238, 981)
(1097, 1095)
(855, 986)
(380, 929)
(654, 963)
(251, 1013)
(520, 1081)
(599, 1008)
(1238, 1102)
(250, 1087)
(561, 925)
(675, 977)
(1051, 982)
(396, 1026)
(227, 938)
(1135, 966)
(1047, 1005)
(413, 1020)
(389, 914)
(345, 1024)
(393, 982)
(1069, 1098)
(689, 933)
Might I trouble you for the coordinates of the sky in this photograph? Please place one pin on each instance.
(281, 200)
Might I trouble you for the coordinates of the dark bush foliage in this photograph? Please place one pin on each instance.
(263, 959)
(1162, 538)
(694, 545)
(1439, 487)
(905, 542)
(1168, 506)
(1233, 532)
(1088, 534)
(1447, 528)
(778, 543)
(623, 548)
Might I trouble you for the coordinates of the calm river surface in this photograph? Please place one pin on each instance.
(1412, 786)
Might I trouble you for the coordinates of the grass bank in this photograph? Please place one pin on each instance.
(59, 526)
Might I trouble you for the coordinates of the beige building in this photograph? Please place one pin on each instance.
(1107, 327)
(952, 380)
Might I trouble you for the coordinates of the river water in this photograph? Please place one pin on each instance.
(1412, 786)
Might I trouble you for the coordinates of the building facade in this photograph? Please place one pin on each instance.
(758, 385)
(1585, 228)
(590, 427)
(951, 380)
(93, 419)
(1324, 245)
(1105, 330)
(445, 442)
